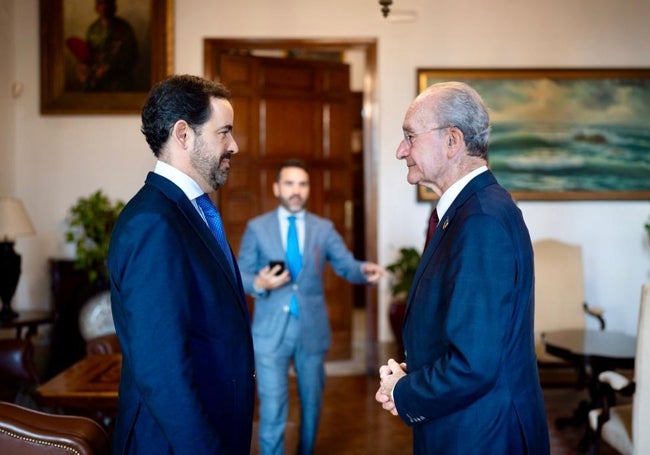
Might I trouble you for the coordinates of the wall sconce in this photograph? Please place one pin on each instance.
(385, 4)
(14, 223)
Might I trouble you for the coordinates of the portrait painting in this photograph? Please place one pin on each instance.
(563, 134)
(102, 56)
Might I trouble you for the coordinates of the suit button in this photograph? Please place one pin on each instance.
(294, 287)
(285, 308)
(254, 374)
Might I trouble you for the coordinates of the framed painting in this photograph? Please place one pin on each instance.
(89, 67)
(425, 194)
(562, 133)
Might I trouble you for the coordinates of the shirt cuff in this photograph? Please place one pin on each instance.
(392, 397)
(259, 292)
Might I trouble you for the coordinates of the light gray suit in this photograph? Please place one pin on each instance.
(278, 338)
(262, 242)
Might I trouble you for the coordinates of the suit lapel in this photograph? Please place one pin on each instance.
(272, 227)
(476, 184)
(189, 212)
(311, 249)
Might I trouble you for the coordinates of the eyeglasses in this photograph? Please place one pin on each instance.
(408, 137)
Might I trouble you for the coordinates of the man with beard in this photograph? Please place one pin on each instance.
(290, 321)
(188, 375)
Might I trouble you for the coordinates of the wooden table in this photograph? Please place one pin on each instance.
(29, 320)
(90, 384)
(598, 349)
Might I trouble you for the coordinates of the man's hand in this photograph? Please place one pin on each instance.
(267, 278)
(389, 374)
(373, 272)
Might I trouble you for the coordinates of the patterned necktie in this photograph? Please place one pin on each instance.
(213, 218)
(294, 261)
(433, 224)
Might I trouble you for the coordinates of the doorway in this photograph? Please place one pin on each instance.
(216, 49)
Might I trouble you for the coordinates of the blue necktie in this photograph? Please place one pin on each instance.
(294, 261)
(213, 218)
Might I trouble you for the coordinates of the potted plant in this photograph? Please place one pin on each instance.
(91, 221)
(403, 271)
(75, 282)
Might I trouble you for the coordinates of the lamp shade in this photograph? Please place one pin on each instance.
(14, 221)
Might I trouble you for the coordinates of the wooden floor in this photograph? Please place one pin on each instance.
(352, 423)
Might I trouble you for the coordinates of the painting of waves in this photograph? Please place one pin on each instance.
(564, 157)
(581, 133)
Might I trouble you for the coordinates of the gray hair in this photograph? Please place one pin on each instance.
(457, 104)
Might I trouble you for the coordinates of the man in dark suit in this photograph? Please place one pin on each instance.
(290, 321)
(188, 375)
(470, 382)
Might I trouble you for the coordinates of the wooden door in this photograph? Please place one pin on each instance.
(287, 108)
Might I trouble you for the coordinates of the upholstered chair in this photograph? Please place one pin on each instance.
(560, 300)
(621, 426)
(25, 431)
(18, 375)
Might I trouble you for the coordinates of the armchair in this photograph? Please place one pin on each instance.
(29, 432)
(621, 425)
(18, 373)
(559, 298)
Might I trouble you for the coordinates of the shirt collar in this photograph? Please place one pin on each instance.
(284, 213)
(186, 183)
(454, 190)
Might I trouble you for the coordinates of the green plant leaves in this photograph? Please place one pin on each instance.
(91, 221)
(403, 270)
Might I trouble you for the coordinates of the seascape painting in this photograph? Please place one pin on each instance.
(565, 134)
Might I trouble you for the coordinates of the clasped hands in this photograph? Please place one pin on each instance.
(389, 374)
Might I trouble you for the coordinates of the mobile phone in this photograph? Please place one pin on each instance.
(274, 263)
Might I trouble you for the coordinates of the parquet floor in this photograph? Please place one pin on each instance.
(352, 423)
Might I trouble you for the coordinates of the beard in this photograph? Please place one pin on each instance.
(293, 203)
(209, 166)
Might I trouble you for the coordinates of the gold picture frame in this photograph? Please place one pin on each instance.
(563, 134)
(425, 194)
(63, 27)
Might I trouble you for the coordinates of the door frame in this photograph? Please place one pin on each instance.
(213, 47)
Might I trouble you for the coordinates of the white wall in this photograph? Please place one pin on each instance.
(6, 100)
(59, 158)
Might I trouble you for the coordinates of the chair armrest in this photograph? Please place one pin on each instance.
(595, 312)
(617, 382)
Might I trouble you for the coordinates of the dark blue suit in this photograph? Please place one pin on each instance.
(187, 384)
(473, 384)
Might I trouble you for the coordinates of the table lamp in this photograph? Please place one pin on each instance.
(14, 222)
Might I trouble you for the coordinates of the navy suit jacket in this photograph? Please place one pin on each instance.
(261, 243)
(187, 384)
(473, 384)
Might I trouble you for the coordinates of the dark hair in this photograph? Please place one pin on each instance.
(291, 163)
(180, 97)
